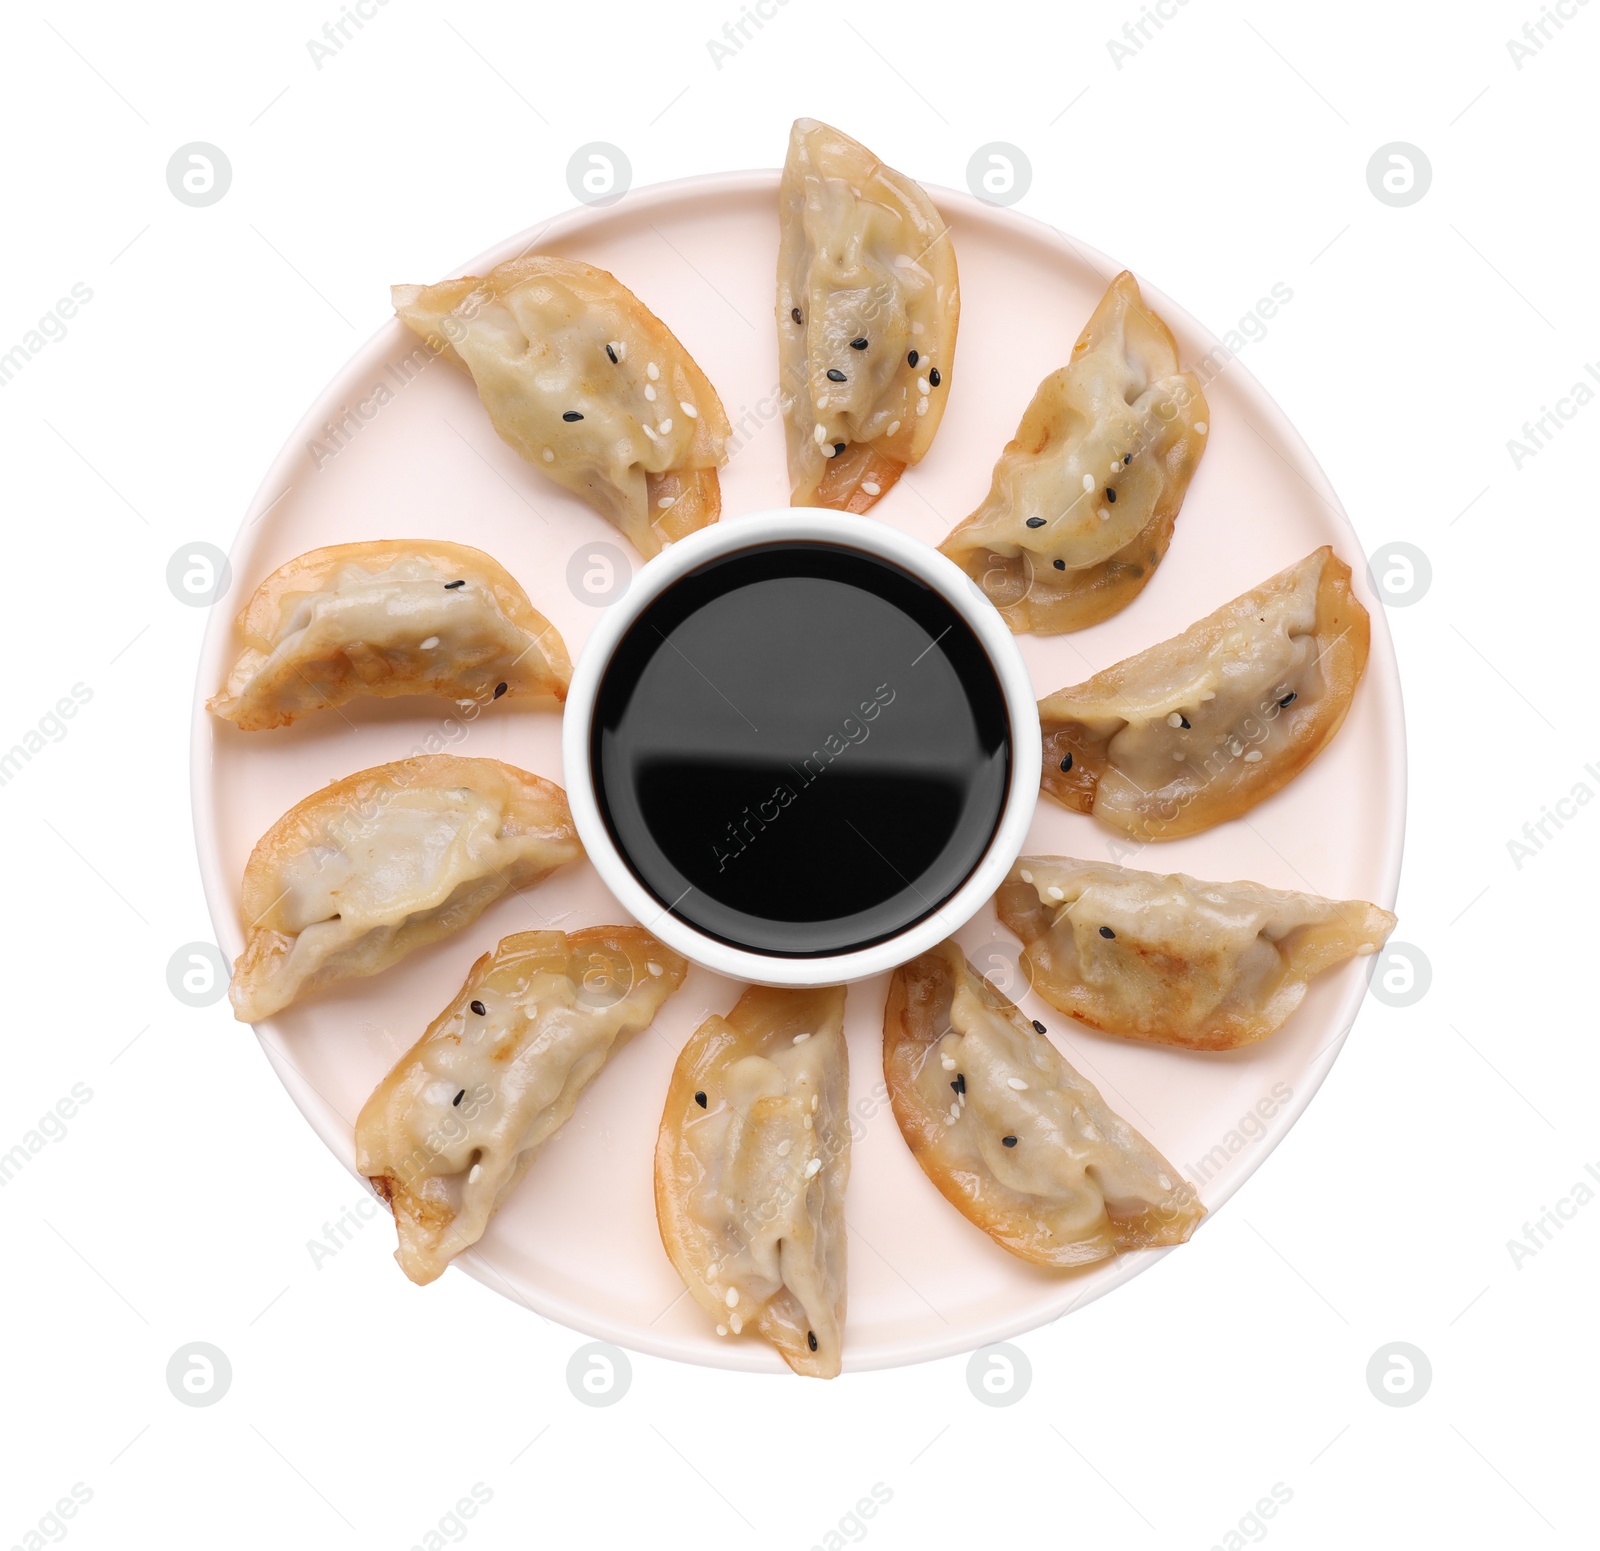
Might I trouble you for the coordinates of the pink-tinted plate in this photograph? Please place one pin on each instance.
(418, 458)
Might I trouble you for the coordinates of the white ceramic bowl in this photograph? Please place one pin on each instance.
(872, 537)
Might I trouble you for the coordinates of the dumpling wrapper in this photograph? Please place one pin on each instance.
(1203, 727)
(1083, 500)
(1210, 966)
(449, 1132)
(863, 255)
(750, 1185)
(966, 1070)
(393, 617)
(359, 874)
(538, 335)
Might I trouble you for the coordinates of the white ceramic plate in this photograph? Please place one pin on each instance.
(578, 1241)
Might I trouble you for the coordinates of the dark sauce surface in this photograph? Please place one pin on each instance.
(800, 749)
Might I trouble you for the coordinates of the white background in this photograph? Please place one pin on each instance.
(1224, 154)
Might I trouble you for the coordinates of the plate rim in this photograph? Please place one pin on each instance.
(330, 1127)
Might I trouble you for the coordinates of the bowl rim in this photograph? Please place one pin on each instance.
(753, 530)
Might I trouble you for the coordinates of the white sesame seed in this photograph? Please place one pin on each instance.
(1088, 482)
(1208, 694)
(1252, 756)
(948, 1063)
(868, 488)
(1166, 1184)
(722, 1330)
(922, 406)
(1201, 427)
(783, 1149)
(731, 1297)
(917, 328)
(650, 431)
(737, 1322)
(814, 1168)
(800, 1039)
(653, 967)
(808, 1122)
(822, 401)
(1054, 893)
(954, 1114)
(820, 435)
(549, 457)
(652, 371)
(666, 501)
(474, 1174)
(666, 425)
(1025, 875)
(430, 643)
(1105, 516)
(620, 348)
(1017, 1083)
(894, 425)
(816, 1098)
(649, 392)
(1235, 747)
(689, 409)
(922, 385)
(1175, 719)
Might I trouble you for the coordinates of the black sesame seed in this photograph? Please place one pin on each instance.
(1111, 495)
(612, 353)
(960, 1084)
(451, 586)
(1036, 522)
(835, 375)
(811, 1339)
(1183, 721)
(1060, 565)
(700, 1099)
(1287, 698)
(1008, 1141)
(1105, 931)
(933, 378)
(1066, 764)
(838, 448)
(572, 414)
(911, 360)
(1127, 457)
(858, 344)
(1038, 1028)
(480, 1009)
(499, 690)
(794, 312)
(458, 1098)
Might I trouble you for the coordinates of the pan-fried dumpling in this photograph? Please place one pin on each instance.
(751, 1165)
(589, 385)
(1211, 966)
(1015, 1139)
(867, 312)
(1083, 500)
(395, 617)
(1203, 727)
(352, 879)
(455, 1125)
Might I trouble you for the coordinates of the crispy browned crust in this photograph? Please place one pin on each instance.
(841, 487)
(1343, 638)
(696, 496)
(916, 1015)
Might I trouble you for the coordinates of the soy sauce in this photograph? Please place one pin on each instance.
(800, 749)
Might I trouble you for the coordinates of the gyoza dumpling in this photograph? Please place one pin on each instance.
(352, 879)
(1203, 727)
(1082, 503)
(867, 312)
(590, 387)
(751, 1166)
(1169, 958)
(1015, 1139)
(455, 1125)
(395, 617)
